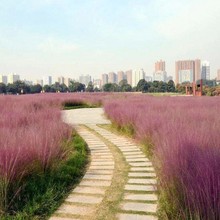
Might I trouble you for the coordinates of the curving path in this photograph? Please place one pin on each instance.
(120, 182)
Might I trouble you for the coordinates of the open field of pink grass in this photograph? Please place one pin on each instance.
(31, 132)
(185, 134)
(182, 134)
(31, 137)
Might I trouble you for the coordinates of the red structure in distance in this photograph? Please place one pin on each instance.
(194, 89)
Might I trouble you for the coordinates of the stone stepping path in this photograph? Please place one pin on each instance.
(83, 201)
(138, 193)
(140, 198)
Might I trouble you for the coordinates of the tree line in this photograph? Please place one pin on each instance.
(142, 86)
(20, 87)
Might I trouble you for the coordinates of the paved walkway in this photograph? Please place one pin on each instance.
(85, 116)
(138, 200)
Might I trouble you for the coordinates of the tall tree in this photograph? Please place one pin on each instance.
(142, 86)
(22, 87)
(36, 88)
(76, 87)
(2, 88)
(110, 87)
(124, 86)
(170, 86)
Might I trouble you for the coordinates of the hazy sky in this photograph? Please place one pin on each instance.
(73, 37)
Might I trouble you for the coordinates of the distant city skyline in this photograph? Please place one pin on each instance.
(185, 71)
(71, 37)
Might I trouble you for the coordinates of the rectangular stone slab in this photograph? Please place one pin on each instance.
(140, 164)
(84, 199)
(139, 207)
(138, 160)
(143, 181)
(95, 183)
(98, 177)
(141, 197)
(76, 210)
(101, 168)
(102, 163)
(133, 153)
(89, 190)
(147, 188)
(135, 156)
(129, 150)
(141, 174)
(148, 169)
(102, 159)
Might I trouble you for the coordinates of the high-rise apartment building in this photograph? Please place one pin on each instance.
(3, 79)
(160, 66)
(128, 76)
(121, 76)
(205, 70)
(104, 79)
(97, 83)
(67, 81)
(85, 79)
(13, 78)
(60, 80)
(160, 73)
(137, 75)
(112, 77)
(160, 76)
(188, 71)
(47, 80)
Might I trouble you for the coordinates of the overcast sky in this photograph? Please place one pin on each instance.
(73, 37)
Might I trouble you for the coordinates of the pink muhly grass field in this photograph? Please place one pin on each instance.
(185, 132)
(31, 136)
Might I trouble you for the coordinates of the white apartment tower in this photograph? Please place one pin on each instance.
(13, 78)
(3, 79)
(160, 76)
(137, 75)
(104, 79)
(205, 70)
(85, 79)
(67, 81)
(60, 80)
(112, 77)
(47, 80)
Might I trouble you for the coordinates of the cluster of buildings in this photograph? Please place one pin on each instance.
(134, 76)
(185, 71)
(192, 70)
(11, 78)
